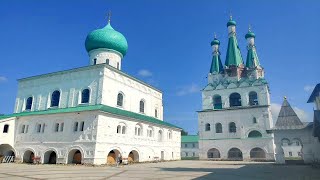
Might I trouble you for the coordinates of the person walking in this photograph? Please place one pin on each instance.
(118, 160)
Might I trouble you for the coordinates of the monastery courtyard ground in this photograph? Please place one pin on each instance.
(165, 170)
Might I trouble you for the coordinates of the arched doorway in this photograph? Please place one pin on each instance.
(50, 157)
(257, 153)
(133, 157)
(28, 156)
(112, 156)
(75, 157)
(235, 154)
(213, 153)
(7, 153)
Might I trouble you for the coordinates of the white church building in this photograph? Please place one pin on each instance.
(235, 121)
(89, 114)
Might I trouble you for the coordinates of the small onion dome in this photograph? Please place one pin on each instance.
(250, 35)
(215, 42)
(231, 23)
(107, 38)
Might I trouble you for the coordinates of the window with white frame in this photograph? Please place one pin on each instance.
(138, 130)
(85, 96)
(150, 131)
(141, 107)
(169, 135)
(75, 126)
(160, 135)
(120, 100)
(56, 127)
(29, 103)
(40, 128)
(121, 129)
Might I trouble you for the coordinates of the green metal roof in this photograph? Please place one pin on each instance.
(215, 42)
(231, 23)
(108, 38)
(103, 108)
(252, 58)
(234, 56)
(190, 138)
(250, 34)
(216, 64)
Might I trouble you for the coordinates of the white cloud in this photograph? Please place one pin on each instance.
(193, 88)
(275, 109)
(308, 88)
(3, 79)
(145, 73)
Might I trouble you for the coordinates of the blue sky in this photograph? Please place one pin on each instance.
(169, 45)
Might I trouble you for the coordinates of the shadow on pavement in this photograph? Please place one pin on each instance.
(254, 172)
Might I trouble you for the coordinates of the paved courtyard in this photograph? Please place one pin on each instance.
(165, 170)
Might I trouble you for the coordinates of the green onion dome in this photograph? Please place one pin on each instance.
(215, 42)
(107, 38)
(231, 23)
(250, 35)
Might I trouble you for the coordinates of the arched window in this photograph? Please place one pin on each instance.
(235, 99)
(119, 129)
(141, 106)
(218, 128)
(85, 96)
(156, 113)
(169, 135)
(254, 120)
(160, 135)
(254, 134)
(138, 130)
(232, 127)
(55, 98)
(253, 99)
(217, 103)
(81, 126)
(6, 128)
(120, 100)
(207, 127)
(123, 129)
(150, 131)
(29, 103)
(75, 127)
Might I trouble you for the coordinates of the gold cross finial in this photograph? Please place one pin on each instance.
(109, 16)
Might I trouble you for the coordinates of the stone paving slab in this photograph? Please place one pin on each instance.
(165, 170)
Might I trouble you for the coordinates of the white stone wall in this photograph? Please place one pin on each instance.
(97, 139)
(310, 145)
(7, 138)
(61, 142)
(190, 149)
(104, 83)
(133, 91)
(243, 118)
(69, 83)
(147, 147)
(262, 92)
(101, 55)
